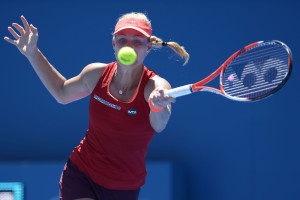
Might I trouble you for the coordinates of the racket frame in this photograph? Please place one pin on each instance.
(199, 86)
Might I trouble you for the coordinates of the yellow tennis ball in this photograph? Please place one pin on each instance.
(127, 55)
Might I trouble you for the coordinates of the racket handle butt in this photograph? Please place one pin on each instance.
(180, 91)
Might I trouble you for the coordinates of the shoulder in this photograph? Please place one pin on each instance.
(159, 81)
(154, 82)
(94, 67)
(92, 73)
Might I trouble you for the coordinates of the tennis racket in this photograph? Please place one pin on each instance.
(252, 73)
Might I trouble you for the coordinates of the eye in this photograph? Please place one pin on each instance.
(137, 42)
(122, 40)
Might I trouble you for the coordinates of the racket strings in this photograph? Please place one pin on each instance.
(253, 86)
(259, 54)
(256, 72)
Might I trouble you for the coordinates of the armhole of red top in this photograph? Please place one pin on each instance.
(102, 76)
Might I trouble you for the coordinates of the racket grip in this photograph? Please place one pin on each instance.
(179, 91)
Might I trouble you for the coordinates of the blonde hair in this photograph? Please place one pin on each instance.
(157, 42)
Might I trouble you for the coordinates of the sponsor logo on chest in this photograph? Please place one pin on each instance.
(132, 112)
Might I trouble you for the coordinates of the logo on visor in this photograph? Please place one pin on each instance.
(132, 112)
(133, 22)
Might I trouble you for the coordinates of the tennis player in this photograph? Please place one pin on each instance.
(127, 106)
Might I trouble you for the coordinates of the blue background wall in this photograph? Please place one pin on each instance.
(228, 150)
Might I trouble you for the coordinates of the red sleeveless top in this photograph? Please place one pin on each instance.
(113, 152)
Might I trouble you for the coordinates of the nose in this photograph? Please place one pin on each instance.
(129, 43)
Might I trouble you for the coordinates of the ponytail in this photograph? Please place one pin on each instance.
(173, 45)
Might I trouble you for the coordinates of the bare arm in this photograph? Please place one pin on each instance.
(63, 90)
(66, 90)
(155, 91)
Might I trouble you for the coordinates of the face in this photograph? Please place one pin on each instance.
(134, 39)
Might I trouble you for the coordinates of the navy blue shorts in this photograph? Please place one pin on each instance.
(75, 185)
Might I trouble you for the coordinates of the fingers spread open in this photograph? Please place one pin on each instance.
(10, 40)
(19, 28)
(12, 31)
(33, 29)
(25, 23)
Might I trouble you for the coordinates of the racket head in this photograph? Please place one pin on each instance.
(256, 71)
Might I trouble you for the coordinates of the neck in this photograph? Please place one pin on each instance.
(127, 78)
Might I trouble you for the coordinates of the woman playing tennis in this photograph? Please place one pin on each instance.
(127, 106)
